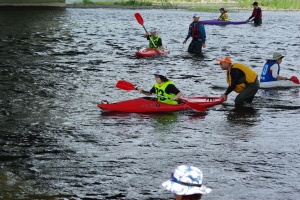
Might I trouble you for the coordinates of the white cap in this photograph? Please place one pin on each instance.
(196, 15)
(160, 73)
(153, 30)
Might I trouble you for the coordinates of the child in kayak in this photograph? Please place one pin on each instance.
(271, 69)
(154, 40)
(223, 16)
(164, 88)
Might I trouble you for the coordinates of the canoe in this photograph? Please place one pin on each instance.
(262, 85)
(151, 105)
(220, 22)
(148, 52)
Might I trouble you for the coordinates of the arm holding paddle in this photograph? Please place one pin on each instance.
(152, 91)
(144, 92)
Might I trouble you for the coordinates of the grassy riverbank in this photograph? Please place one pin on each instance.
(273, 4)
(204, 5)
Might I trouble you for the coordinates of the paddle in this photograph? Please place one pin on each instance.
(294, 79)
(124, 85)
(140, 20)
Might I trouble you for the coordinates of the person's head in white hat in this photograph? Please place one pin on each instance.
(277, 57)
(160, 76)
(186, 183)
(196, 17)
(153, 32)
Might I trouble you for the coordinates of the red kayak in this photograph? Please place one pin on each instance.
(150, 104)
(148, 52)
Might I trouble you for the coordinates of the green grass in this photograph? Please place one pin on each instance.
(211, 5)
(272, 4)
(87, 2)
(134, 3)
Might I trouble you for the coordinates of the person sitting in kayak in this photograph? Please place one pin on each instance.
(223, 16)
(271, 69)
(164, 88)
(154, 40)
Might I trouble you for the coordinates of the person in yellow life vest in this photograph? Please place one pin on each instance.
(240, 79)
(155, 41)
(224, 15)
(164, 88)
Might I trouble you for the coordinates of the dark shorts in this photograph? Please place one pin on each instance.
(195, 46)
(247, 95)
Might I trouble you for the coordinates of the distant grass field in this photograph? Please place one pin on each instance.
(205, 5)
(273, 4)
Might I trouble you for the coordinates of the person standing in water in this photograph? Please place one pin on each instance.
(240, 79)
(256, 14)
(197, 32)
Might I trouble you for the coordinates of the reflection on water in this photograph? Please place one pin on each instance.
(55, 143)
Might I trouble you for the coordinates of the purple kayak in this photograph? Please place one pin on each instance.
(220, 22)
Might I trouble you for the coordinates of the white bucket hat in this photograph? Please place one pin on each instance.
(160, 73)
(153, 30)
(276, 56)
(186, 180)
(196, 15)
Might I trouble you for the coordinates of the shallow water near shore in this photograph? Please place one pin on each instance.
(57, 144)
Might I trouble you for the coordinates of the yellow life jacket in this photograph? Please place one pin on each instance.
(224, 17)
(161, 91)
(154, 40)
(249, 73)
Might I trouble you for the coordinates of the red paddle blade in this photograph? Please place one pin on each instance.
(196, 107)
(139, 18)
(294, 79)
(124, 85)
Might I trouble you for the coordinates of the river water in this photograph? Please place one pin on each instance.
(57, 144)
